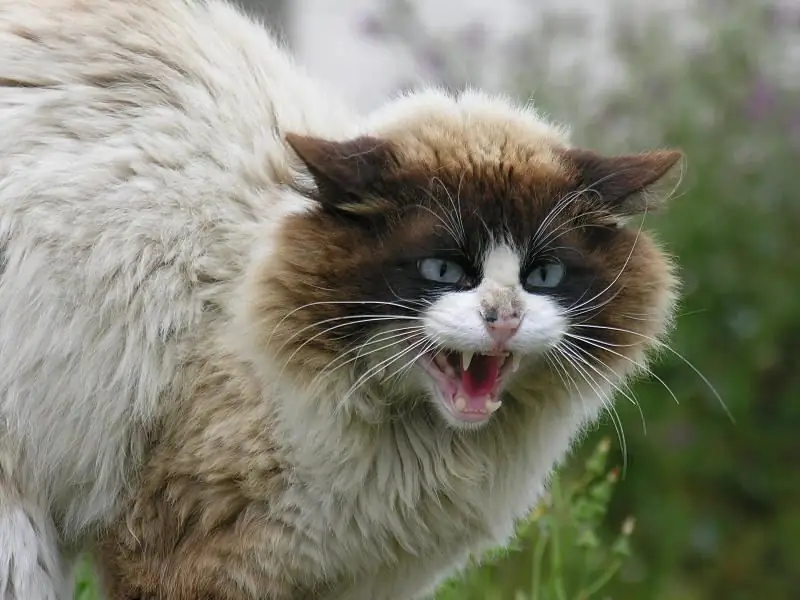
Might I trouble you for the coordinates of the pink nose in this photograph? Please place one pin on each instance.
(501, 328)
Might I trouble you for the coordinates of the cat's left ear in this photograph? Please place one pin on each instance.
(622, 182)
(345, 171)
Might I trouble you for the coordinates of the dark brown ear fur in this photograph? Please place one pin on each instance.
(347, 172)
(621, 181)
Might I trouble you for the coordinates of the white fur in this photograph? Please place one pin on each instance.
(455, 319)
(30, 563)
(123, 209)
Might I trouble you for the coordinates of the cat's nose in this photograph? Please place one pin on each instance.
(501, 326)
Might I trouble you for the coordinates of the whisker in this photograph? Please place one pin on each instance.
(405, 334)
(615, 386)
(604, 399)
(373, 319)
(594, 309)
(349, 320)
(556, 210)
(556, 232)
(378, 367)
(668, 348)
(428, 348)
(575, 349)
(607, 347)
(624, 266)
(458, 221)
(444, 223)
(333, 302)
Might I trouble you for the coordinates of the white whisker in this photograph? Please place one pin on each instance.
(607, 347)
(405, 333)
(668, 348)
(624, 266)
(602, 396)
(334, 302)
(379, 367)
(615, 386)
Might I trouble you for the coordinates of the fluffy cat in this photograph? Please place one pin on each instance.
(256, 346)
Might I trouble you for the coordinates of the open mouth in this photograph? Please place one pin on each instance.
(470, 383)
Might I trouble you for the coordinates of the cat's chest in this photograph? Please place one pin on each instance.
(411, 507)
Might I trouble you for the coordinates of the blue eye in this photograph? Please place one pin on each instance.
(546, 275)
(441, 271)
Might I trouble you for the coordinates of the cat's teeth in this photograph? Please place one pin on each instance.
(492, 406)
(461, 403)
(466, 359)
(516, 359)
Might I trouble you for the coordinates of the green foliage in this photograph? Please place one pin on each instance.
(85, 587)
(559, 552)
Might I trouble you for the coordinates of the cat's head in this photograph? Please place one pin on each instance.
(462, 249)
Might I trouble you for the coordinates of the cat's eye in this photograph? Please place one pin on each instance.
(546, 274)
(441, 271)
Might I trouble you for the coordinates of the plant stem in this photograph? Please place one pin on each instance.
(538, 557)
(601, 581)
(558, 582)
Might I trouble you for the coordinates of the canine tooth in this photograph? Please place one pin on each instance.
(461, 403)
(516, 359)
(492, 405)
(466, 359)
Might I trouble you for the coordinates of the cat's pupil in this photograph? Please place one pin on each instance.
(442, 269)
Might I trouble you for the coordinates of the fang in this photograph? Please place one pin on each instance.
(492, 406)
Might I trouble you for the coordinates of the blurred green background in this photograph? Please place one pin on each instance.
(716, 504)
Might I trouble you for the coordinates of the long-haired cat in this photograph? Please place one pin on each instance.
(254, 345)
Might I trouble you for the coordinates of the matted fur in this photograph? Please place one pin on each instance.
(184, 216)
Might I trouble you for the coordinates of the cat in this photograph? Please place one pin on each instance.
(257, 345)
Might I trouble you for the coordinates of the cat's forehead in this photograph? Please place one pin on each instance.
(503, 200)
(492, 168)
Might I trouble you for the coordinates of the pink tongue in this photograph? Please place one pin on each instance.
(481, 377)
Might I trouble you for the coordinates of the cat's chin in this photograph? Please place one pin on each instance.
(466, 386)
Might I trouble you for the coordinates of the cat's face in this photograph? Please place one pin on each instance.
(457, 275)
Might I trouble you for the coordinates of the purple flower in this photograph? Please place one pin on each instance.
(761, 101)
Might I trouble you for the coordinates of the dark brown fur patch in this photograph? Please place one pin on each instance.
(620, 180)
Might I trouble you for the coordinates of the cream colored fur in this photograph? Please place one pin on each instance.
(124, 209)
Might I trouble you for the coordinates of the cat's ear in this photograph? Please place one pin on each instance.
(344, 171)
(623, 182)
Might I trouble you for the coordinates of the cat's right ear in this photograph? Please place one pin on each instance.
(347, 173)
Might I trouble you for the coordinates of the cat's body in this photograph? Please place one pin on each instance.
(181, 251)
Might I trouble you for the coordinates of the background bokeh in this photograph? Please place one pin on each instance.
(716, 502)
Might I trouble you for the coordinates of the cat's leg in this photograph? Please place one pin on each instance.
(31, 566)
